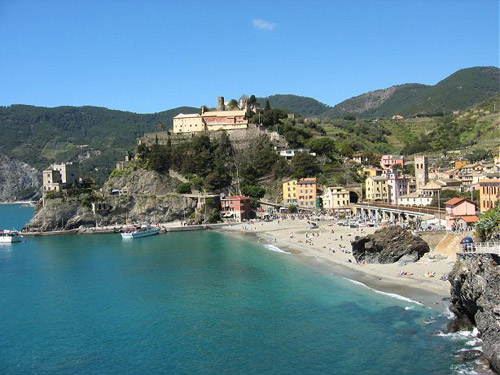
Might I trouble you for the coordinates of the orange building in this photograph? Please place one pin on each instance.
(307, 193)
(489, 191)
(236, 207)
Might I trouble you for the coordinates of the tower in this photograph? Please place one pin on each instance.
(421, 171)
(220, 103)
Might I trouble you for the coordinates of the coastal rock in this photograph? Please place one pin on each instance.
(17, 178)
(389, 245)
(475, 300)
(69, 213)
(144, 196)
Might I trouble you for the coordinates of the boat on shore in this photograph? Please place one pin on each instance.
(138, 231)
(9, 236)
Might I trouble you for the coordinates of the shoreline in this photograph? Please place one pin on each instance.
(382, 278)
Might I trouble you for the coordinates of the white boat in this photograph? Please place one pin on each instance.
(137, 231)
(9, 236)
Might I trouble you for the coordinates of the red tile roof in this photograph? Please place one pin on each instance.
(469, 218)
(454, 201)
(237, 197)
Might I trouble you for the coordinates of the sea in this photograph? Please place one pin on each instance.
(200, 303)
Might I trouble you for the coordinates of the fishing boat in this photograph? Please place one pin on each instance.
(138, 231)
(9, 236)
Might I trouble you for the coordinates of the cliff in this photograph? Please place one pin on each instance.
(389, 245)
(17, 179)
(149, 197)
(475, 300)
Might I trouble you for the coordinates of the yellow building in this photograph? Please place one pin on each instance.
(335, 198)
(376, 188)
(372, 171)
(290, 192)
(489, 192)
(188, 123)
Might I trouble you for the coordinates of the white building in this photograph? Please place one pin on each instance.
(336, 198)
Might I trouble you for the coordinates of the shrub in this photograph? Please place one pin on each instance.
(184, 188)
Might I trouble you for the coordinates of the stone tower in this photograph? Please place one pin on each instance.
(220, 103)
(421, 171)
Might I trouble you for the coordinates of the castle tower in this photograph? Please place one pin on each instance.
(220, 103)
(421, 171)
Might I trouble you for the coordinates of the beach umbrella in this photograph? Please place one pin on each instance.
(466, 240)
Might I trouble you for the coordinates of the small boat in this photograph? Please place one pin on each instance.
(137, 231)
(9, 236)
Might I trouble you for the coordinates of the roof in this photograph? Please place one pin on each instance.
(224, 113)
(236, 197)
(378, 178)
(456, 201)
(306, 180)
(431, 185)
(469, 218)
(489, 180)
(182, 115)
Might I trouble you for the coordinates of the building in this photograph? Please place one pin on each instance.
(376, 188)
(336, 198)
(307, 191)
(290, 153)
(372, 171)
(60, 176)
(390, 161)
(51, 180)
(460, 214)
(460, 163)
(360, 159)
(236, 208)
(417, 199)
(290, 192)
(225, 120)
(489, 191)
(421, 171)
(397, 186)
(189, 123)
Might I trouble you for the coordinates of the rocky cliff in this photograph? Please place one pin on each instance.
(146, 196)
(389, 245)
(475, 300)
(17, 178)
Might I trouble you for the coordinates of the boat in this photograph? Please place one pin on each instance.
(137, 231)
(9, 236)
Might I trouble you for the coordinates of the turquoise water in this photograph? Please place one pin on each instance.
(198, 303)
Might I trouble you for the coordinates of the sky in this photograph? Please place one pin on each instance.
(149, 56)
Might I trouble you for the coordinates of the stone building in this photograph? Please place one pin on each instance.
(60, 176)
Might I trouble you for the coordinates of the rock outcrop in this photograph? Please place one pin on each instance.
(144, 196)
(389, 245)
(17, 177)
(475, 300)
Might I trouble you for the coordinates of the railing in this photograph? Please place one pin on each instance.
(479, 248)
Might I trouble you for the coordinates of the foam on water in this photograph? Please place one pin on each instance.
(392, 295)
(276, 249)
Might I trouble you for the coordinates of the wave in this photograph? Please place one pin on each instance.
(276, 249)
(392, 295)
(461, 335)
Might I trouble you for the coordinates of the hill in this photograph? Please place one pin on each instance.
(96, 136)
(459, 91)
(307, 107)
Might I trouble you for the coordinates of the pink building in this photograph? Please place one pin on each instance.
(390, 161)
(460, 214)
(236, 207)
(397, 186)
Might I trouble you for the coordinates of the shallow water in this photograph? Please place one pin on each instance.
(199, 303)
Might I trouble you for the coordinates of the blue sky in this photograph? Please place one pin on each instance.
(148, 56)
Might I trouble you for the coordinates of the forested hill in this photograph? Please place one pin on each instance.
(99, 136)
(307, 107)
(459, 91)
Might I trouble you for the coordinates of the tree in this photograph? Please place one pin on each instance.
(161, 126)
(252, 99)
(184, 188)
(232, 104)
(304, 165)
(488, 226)
(267, 106)
(321, 146)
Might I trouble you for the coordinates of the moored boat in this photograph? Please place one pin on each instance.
(137, 231)
(9, 236)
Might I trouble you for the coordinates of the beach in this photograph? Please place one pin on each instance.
(329, 247)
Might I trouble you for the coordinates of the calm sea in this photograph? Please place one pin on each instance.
(198, 303)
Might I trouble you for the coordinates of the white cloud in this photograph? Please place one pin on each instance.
(263, 25)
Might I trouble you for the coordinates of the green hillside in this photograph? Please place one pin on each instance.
(459, 91)
(307, 107)
(39, 136)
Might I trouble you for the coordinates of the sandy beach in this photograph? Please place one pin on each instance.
(329, 248)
